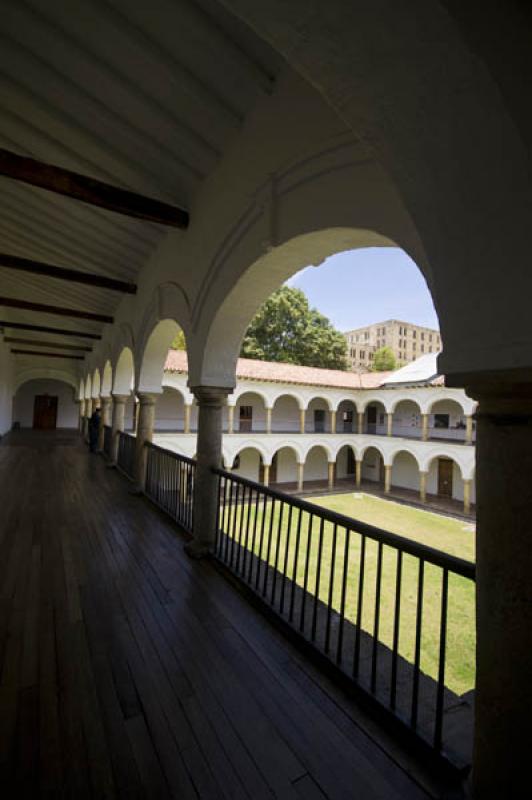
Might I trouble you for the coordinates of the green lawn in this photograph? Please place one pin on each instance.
(443, 533)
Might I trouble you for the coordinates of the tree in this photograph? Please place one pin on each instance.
(286, 329)
(179, 342)
(384, 360)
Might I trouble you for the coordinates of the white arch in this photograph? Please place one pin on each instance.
(384, 401)
(88, 388)
(402, 398)
(40, 373)
(448, 399)
(96, 383)
(124, 372)
(81, 391)
(375, 446)
(107, 380)
(153, 356)
(251, 445)
(233, 399)
(345, 443)
(324, 446)
(346, 399)
(289, 393)
(402, 449)
(289, 446)
(327, 400)
(442, 453)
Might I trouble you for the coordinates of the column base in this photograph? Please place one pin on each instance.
(197, 550)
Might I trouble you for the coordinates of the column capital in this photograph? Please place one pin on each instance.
(214, 396)
(147, 398)
(120, 398)
(104, 399)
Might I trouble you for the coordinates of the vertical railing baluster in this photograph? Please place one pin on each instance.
(440, 692)
(345, 570)
(277, 549)
(262, 529)
(285, 564)
(417, 650)
(396, 625)
(375, 653)
(240, 529)
(253, 555)
(360, 601)
(294, 567)
(331, 589)
(268, 548)
(305, 576)
(318, 578)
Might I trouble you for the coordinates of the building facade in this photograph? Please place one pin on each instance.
(406, 341)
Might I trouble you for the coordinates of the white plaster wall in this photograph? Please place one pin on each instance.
(341, 464)
(286, 466)
(249, 465)
(370, 466)
(6, 388)
(314, 405)
(407, 420)
(169, 411)
(285, 415)
(456, 416)
(316, 465)
(405, 472)
(67, 409)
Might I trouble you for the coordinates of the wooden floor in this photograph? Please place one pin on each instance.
(128, 670)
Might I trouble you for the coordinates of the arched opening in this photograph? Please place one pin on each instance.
(315, 472)
(285, 414)
(88, 388)
(407, 420)
(155, 355)
(170, 411)
(405, 471)
(345, 466)
(444, 479)
(45, 404)
(250, 413)
(96, 385)
(373, 466)
(249, 463)
(107, 380)
(375, 418)
(346, 417)
(318, 416)
(284, 468)
(447, 421)
(124, 376)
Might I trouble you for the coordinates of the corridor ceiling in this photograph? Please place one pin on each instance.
(142, 96)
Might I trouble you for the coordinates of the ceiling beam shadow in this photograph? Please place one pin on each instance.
(12, 302)
(65, 274)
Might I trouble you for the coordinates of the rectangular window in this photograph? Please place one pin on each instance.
(319, 420)
(246, 418)
(414, 334)
(422, 348)
(362, 354)
(422, 336)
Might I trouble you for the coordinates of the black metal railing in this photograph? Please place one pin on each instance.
(386, 611)
(126, 454)
(107, 440)
(170, 483)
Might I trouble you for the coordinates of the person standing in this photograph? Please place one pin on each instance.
(94, 428)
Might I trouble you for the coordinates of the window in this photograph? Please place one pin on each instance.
(414, 334)
(319, 420)
(246, 418)
(422, 335)
(422, 348)
(371, 356)
(430, 337)
(366, 335)
(441, 420)
(362, 354)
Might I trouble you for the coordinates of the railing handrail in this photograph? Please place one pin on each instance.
(446, 561)
(153, 446)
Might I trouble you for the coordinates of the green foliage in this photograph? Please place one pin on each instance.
(286, 329)
(179, 342)
(384, 360)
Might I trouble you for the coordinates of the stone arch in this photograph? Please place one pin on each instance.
(88, 388)
(407, 417)
(285, 462)
(81, 390)
(38, 373)
(316, 464)
(235, 397)
(405, 398)
(345, 458)
(373, 461)
(246, 464)
(124, 373)
(346, 415)
(405, 469)
(298, 398)
(154, 354)
(96, 384)
(107, 380)
(170, 410)
(286, 410)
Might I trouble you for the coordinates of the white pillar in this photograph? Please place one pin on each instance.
(230, 419)
(467, 495)
(469, 429)
(300, 476)
(117, 424)
(105, 406)
(358, 472)
(81, 414)
(503, 696)
(333, 421)
(389, 424)
(188, 408)
(211, 401)
(424, 427)
(145, 421)
(387, 478)
(330, 475)
(360, 426)
(423, 486)
(268, 420)
(302, 415)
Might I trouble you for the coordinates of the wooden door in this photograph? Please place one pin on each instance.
(45, 412)
(445, 477)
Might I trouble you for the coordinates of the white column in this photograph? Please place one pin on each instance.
(387, 478)
(230, 419)
(423, 486)
(188, 408)
(503, 697)
(469, 429)
(105, 406)
(424, 427)
(145, 421)
(268, 420)
(333, 421)
(302, 415)
(330, 475)
(117, 424)
(81, 414)
(389, 424)
(88, 415)
(300, 476)
(358, 472)
(211, 401)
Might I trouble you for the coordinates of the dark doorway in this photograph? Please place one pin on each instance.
(246, 419)
(45, 412)
(372, 419)
(445, 477)
(350, 465)
(319, 420)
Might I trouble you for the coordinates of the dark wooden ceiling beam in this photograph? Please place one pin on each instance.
(48, 355)
(89, 190)
(23, 326)
(56, 345)
(65, 273)
(76, 313)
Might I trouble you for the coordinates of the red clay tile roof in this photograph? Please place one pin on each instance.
(252, 369)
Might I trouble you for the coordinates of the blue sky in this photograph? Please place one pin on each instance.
(358, 287)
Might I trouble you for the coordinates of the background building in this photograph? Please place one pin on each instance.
(407, 342)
